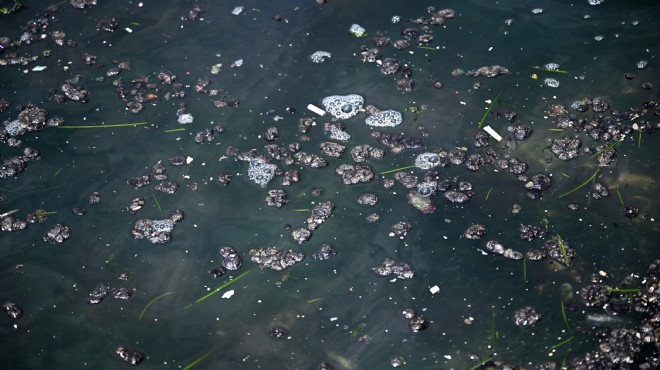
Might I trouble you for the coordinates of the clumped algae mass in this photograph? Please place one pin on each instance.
(472, 136)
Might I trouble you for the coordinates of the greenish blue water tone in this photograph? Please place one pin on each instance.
(321, 303)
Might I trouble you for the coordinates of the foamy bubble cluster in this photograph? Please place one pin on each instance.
(551, 82)
(320, 56)
(261, 172)
(596, 2)
(426, 161)
(357, 30)
(343, 106)
(551, 66)
(165, 225)
(13, 128)
(338, 134)
(385, 118)
(185, 118)
(642, 64)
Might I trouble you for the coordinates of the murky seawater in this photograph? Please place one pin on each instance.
(336, 310)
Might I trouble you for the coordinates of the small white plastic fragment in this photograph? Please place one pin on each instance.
(334, 318)
(434, 289)
(237, 10)
(228, 294)
(189, 160)
(316, 109)
(38, 68)
(128, 30)
(492, 133)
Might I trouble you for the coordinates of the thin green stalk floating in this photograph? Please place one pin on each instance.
(581, 185)
(481, 363)
(398, 169)
(549, 70)
(58, 171)
(156, 200)
(494, 335)
(556, 129)
(622, 290)
(313, 300)
(566, 341)
(426, 47)
(563, 315)
(48, 212)
(106, 126)
(564, 174)
(488, 110)
(230, 282)
(619, 194)
(175, 129)
(567, 261)
(192, 364)
(525, 271)
(488, 194)
(300, 210)
(152, 302)
(639, 140)
(606, 149)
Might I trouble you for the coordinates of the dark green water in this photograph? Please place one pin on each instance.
(51, 282)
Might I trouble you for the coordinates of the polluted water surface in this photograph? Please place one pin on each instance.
(323, 184)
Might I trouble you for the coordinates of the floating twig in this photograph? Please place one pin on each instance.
(581, 185)
(106, 126)
(230, 282)
(398, 169)
(152, 302)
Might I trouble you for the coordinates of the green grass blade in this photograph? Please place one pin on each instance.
(230, 282)
(605, 149)
(639, 140)
(488, 194)
(106, 126)
(175, 129)
(481, 363)
(488, 110)
(566, 341)
(621, 290)
(152, 302)
(398, 169)
(58, 171)
(192, 364)
(156, 200)
(619, 194)
(525, 271)
(563, 315)
(581, 185)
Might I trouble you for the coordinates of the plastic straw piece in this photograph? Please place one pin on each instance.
(316, 109)
(492, 133)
